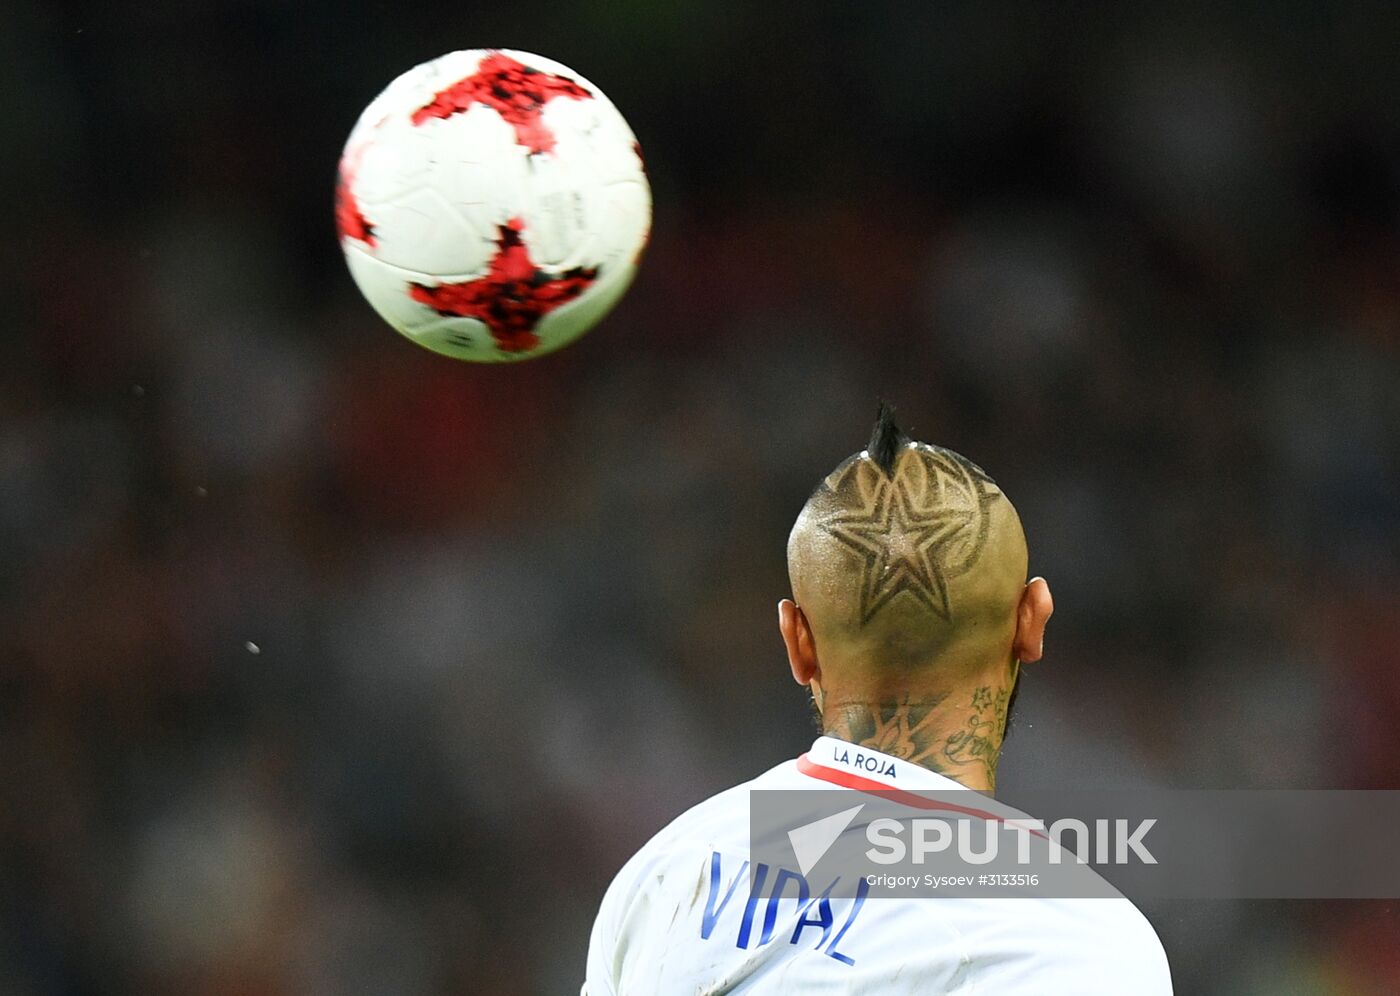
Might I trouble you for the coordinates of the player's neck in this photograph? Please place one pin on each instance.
(956, 733)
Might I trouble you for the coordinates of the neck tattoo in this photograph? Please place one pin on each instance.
(960, 738)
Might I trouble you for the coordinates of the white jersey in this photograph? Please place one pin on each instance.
(677, 919)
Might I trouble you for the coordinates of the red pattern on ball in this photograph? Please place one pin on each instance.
(349, 220)
(512, 298)
(516, 91)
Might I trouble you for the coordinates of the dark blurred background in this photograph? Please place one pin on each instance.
(334, 666)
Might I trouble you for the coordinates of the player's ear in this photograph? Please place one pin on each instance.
(797, 637)
(1031, 616)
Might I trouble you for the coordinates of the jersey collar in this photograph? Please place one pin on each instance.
(851, 763)
(851, 766)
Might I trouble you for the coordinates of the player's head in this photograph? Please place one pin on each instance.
(908, 566)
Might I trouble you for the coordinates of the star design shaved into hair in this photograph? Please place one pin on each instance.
(894, 543)
(913, 530)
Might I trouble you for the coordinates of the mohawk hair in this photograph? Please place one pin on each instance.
(886, 439)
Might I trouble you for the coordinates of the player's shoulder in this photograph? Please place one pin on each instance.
(719, 822)
(668, 865)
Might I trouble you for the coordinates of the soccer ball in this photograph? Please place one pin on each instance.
(492, 205)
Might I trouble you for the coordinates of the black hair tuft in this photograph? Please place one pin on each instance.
(886, 439)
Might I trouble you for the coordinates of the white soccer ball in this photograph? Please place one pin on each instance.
(492, 205)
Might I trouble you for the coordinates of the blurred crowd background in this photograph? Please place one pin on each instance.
(328, 665)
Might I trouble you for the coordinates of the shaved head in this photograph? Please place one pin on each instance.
(908, 556)
(912, 612)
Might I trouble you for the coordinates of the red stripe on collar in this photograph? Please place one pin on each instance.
(860, 783)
